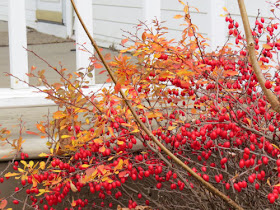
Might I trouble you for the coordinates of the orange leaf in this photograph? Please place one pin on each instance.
(41, 128)
(144, 36)
(267, 47)
(124, 41)
(109, 80)
(33, 68)
(178, 16)
(32, 133)
(98, 65)
(193, 111)
(117, 87)
(58, 115)
(107, 56)
(231, 73)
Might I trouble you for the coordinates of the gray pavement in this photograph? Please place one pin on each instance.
(48, 47)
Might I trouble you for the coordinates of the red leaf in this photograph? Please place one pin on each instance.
(122, 174)
(3, 204)
(102, 71)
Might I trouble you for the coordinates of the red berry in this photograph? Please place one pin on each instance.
(23, 182)
(271, 128)
(205, 177)
(15, 202)
(265, 160)
(267, 84)
(227, 186)
(241, 163)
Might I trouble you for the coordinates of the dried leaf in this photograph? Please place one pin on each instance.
(73, 187)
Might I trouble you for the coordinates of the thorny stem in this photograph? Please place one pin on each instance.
(207, 185)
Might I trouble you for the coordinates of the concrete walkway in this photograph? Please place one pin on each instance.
(48, 47)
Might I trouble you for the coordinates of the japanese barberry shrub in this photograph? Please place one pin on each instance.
(205, 106)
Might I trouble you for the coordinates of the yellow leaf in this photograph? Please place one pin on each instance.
(31, 163)
(275, 146)
(107, 179)
(73, 187)
(225, 9)
(20, 170)
(120, 142)
(58, 115)
(98, 141)
(23, 162)
(170, 128)
(135, 130)
(65, 136)
(110, 158)
(42, 165)
(43, 155)
(111, 131)
(119, 166)
(85, 165)
(9, 174)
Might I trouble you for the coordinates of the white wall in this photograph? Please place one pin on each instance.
(4, 10)
(109, 17)
(171, 8)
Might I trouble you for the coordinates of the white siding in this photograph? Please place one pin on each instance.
(171, 8)
(30, 13)
(111, 17)
(4, 10)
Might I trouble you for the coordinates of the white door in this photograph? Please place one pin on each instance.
(50, 11)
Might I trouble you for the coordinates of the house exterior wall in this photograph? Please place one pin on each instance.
(112, 17)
